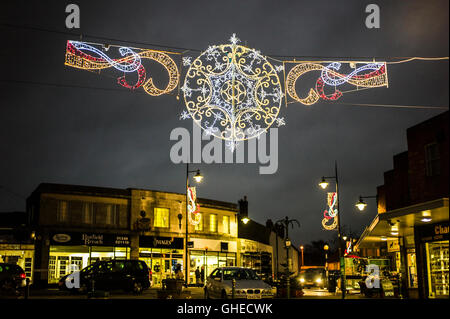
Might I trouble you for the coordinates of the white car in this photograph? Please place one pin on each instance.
(248, 284)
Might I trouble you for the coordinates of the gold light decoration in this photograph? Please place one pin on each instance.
(368, 75)
(232, 92)
(77, 56)
(332, 213)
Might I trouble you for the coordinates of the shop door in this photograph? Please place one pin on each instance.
(62, 266)
(76, 263)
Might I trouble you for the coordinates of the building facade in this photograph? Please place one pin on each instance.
(75, 226)
(411, 228)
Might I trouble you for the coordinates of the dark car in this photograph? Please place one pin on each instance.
(313, 277)
(12, 278)
(127, 275)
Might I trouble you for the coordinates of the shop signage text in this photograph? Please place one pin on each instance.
(89, 239)
(161, 242)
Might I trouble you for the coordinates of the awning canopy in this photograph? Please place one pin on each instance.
(401, 222)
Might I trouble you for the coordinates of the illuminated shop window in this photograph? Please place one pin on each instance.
(213, 223)
(199, 226)
(161, 217)
(226, 224)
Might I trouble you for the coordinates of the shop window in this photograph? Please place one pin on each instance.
(226, 224)
(412, 269)
(213, 223)
(28, 267)
(437, 264)
(432, 159)
(199, 226)
(62, 212)
(161, 217)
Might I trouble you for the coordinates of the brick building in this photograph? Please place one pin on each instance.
(411, 228)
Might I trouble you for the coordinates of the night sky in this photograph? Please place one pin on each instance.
(52, 132)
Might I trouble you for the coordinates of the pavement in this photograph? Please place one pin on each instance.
(193, 293)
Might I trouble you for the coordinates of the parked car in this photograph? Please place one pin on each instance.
(313, 277)
(248, 284)
(12, 278)
(127, 275)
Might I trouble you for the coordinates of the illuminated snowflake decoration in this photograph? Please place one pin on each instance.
(232, 92)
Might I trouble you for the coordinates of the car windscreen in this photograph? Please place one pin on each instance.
(313, 273)
(240, 274)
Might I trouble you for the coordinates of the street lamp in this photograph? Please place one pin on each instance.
(198, 178)
(245, 220)
(301, 248)
(324, 185)
(325, 248)
(361, 204)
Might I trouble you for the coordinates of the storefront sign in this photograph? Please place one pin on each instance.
(89, 239)
(433, 232)
(161, 242)
(393, 246)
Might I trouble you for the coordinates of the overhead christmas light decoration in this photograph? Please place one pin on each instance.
(369, 75)
(331, 214)
(232, 92)
(193, 207)
(86, 56)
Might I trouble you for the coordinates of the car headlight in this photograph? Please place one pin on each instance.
(302, 280)
(319, 280)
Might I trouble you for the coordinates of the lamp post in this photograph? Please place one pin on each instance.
(301, 249)
(324, 185)
(361, 204)
(286, 222)
(325, 248)
(198, 178)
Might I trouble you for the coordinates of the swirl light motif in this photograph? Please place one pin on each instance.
(77, 56)
(369, 75)
(193, 207)
(232, 92)
(331, 213)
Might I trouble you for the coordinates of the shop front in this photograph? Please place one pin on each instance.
(433, 258)
(19, 254)
(207, 254)
(256, 256)
(161, 254)
(70, 251)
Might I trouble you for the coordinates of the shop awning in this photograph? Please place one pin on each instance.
(401, 222)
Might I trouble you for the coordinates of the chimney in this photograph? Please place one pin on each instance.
(243, 207)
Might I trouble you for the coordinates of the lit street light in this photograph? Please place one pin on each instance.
(361, 204)
(324, 185)
(198, 178)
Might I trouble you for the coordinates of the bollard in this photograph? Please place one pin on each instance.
(233, 288)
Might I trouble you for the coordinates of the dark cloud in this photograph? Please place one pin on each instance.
(116, 138)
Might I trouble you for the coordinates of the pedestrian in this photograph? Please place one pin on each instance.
(179, 273)
(197, 276)
(202, 274)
